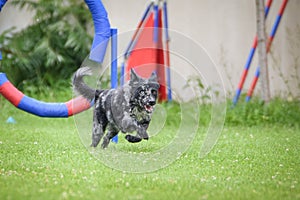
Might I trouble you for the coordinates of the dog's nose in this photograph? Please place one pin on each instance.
(152, 103)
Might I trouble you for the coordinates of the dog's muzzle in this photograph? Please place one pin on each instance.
(150, 106)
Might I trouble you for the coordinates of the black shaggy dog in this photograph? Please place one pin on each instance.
(126, 109)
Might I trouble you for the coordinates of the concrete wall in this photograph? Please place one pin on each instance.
(225, 29)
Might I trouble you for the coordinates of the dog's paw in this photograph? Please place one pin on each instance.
(94, 145)
(132, 139)
(146, 136)
(105, 143)
(143, 134)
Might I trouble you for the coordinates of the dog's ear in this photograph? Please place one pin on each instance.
(153, 80)
(134, 78)
(153, 77)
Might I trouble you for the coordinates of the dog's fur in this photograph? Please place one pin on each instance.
(126, 109)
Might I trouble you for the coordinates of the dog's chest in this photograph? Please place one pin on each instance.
(139, 116)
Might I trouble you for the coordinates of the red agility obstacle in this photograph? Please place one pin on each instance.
(148, 50)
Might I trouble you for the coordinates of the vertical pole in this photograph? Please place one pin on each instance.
(0, 59)
(155, 29)
(167, 53)
(122, 78)
(249, 60)
(160, 52)
(2, 3)
(114, 65)
(114, 61)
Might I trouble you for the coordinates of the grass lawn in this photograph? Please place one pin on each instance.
(45, 159)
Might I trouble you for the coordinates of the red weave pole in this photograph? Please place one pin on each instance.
(276, 24)
(268, 46)
(249, 60)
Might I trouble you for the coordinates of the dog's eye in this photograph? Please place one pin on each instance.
(154, 92)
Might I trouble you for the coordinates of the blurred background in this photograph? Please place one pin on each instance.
(44, 42)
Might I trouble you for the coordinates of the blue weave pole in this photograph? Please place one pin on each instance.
(114, 65)
(249, 60)
(156, 23)
(166, 27)
(269, 43)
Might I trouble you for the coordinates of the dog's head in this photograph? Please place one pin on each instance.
(144, 92)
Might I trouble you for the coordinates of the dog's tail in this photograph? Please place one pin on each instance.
(80, 86)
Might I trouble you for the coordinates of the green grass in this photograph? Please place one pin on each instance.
(43, 158)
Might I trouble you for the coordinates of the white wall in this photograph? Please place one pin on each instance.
(224, 28)
(12, 17)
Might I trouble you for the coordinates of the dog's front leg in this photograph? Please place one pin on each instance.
(141, 134)
(129, 125)
(133, 139)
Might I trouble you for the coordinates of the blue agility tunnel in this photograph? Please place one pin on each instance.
(78, 104)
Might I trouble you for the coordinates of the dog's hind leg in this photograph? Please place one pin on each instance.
(112, 132)
(99, 126)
